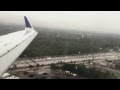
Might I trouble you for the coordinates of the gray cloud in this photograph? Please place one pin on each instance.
(105, 21)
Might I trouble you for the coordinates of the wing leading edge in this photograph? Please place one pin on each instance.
(12, 45)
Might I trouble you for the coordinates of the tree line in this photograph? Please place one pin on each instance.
(81, 70)
(56, 43)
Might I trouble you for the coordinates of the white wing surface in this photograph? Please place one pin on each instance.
(12, 45)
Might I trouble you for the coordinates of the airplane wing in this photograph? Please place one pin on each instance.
(12, 45)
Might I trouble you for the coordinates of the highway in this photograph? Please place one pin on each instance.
(49, 60)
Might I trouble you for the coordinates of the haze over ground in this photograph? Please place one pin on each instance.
(97, 21)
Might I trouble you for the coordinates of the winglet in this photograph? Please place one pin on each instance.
(28, 26)
(27, 23)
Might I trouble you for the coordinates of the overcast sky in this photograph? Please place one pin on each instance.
(105, 21)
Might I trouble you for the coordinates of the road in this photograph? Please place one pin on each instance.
(49, 60)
